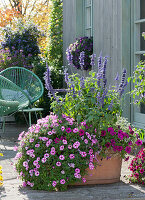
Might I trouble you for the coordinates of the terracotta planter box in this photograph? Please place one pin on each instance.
(109, 171)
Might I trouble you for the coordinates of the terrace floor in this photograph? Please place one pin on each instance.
(12, 190)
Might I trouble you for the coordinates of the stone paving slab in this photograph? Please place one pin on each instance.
(12, 189)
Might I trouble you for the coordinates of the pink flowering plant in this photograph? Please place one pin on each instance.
(137, 167)
(55, 153)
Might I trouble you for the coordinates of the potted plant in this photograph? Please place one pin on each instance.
(73, 145)
(78, 53)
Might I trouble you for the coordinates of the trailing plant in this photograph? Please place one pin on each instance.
(138, 80)
(137, 167)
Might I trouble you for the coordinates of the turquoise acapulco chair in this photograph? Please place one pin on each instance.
(29, 83)
(12, 99)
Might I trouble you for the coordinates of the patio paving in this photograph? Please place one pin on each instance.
(12, 189)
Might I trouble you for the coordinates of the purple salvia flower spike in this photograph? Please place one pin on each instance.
(47, 79)
(69, 57)
(82, 82)
(81, 59)
(66, 76)
(93, 60)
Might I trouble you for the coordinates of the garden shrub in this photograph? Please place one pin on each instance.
(24, 38)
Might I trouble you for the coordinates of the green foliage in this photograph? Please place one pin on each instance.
(55, 47)
(85, 100)
(138, 80)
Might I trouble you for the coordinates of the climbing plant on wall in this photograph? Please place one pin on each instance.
(55, 46)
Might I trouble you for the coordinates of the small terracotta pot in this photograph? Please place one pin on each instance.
(108, 171)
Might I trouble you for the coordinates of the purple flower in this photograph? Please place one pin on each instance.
(138, 142)
(119, 148)
(93, 60)
(128, 149)
(103, 133)
(82, 132)
(69, 56)
(107, 144)
(81, 59)
(68, 130)
(82, 82)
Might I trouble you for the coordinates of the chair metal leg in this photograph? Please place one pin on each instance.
(3, 125)
(29, 119)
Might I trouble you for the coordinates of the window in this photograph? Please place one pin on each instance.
(139, 51)
(88, 18)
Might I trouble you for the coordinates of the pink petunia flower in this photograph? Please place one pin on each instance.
(58, 164)
(61, 147)
(64, 141)
(37, 173)
(62, 181)
(43, 160)
(68, 130)
(76, 145)
(86, 141)
(83, 154)
(71, 156)
(52, 153)
(119, 148)
(46, 155)
(107, 144)
(77, 170)
(141, 171)
(69, 146)
(91, 166)
(84, 180)
(54, 183)
(61, 157)
(75, 130)
(103, 133)
(81, 132)
(37, 145)
(138, 142)
(62, 128)
(15, 148)
(128, 149)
